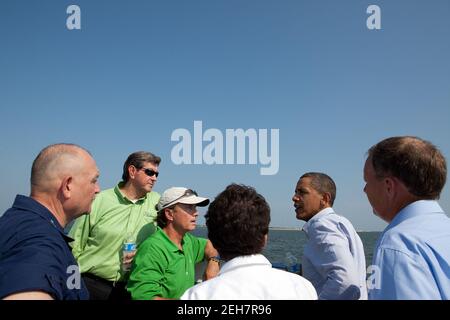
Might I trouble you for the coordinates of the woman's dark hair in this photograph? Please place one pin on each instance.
(238, 221)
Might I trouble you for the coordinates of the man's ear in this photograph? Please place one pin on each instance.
(169, 214)
(67, 187)
(132, 171)
(390, 186)
(326, 200)
(394, 187)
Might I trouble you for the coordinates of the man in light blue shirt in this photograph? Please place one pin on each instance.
(333, 258)
(404, 176)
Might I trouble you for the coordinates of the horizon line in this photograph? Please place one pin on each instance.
(293, 228)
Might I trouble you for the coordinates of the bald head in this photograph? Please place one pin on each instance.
(64, 178)
(54, 162)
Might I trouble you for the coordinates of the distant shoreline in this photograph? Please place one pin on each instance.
(289, 228)
(286, 228)
(270, 228)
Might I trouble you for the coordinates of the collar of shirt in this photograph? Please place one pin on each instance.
(29, 204)
(170, 243)
(245, 261)
(414, 209)
(124, 198)
(317, 216)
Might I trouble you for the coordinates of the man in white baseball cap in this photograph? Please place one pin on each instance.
(164, 266)
(176, 195)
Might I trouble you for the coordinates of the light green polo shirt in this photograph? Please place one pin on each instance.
(99, 235)
(161, 269)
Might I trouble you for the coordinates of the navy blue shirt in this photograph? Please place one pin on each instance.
(35, 254)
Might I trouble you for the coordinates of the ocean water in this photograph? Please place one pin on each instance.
(284, 242)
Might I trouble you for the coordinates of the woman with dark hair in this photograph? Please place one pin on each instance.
(238, 224)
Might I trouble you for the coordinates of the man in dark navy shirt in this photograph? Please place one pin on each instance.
(35, 259)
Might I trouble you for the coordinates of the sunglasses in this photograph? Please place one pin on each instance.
(150, 172)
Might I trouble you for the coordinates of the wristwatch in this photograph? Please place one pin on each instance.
(215, 259)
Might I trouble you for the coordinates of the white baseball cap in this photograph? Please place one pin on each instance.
(176, 195)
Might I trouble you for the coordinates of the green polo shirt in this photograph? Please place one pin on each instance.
(161, 269)
(99, 235)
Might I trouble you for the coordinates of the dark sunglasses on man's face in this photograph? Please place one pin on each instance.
(150, 172)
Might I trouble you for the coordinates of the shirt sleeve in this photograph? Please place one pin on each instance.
(401, 276)
(334, 261)
(34, 268)
(147, 274)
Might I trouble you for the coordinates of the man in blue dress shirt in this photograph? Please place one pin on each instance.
(333, 258)
(35, 259)
(404, 178)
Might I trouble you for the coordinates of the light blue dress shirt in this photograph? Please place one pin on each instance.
(412, 255)
(333, 258)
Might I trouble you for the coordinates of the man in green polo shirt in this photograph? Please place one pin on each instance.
(164, 266)
(126, 211)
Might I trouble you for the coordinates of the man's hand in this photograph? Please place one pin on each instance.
(127, 260)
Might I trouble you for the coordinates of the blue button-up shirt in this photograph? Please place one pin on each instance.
(333, 258)
(35, 255)
(412, 255)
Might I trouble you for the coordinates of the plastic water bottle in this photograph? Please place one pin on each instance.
(129, 246)
(292, 264)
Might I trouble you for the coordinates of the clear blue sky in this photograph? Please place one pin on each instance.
(138, 70)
